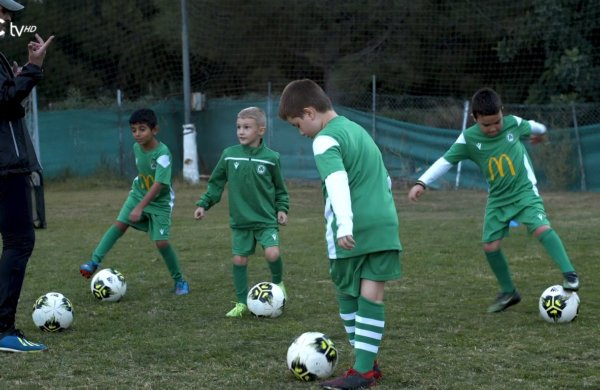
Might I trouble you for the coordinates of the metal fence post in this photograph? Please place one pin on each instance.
(464, 126)
(579, 154)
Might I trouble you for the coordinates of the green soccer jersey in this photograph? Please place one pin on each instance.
(503, 160)
(153, 166)
(256, 189)
(344, 146)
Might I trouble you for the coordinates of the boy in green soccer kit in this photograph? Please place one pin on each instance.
(258, 201)
(150, 202)
(494, 144)
(362, 228)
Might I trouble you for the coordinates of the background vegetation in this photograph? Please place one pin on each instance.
(437, 336)
(534, 51)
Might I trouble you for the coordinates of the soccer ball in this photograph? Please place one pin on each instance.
(557, 305)
(266, 299)
(109, 285)
(312, 356)
(52, 312)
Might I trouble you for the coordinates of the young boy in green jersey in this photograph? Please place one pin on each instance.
(362, 229)
(150, 202)
(494, 144)
(258, 201)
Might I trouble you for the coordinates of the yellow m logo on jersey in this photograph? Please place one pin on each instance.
(146, 181)
(500, 166)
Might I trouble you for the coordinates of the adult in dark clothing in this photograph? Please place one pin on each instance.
(17, 161)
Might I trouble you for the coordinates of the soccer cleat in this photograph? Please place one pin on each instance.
(87, 269)
(571, 282)
(504, 300)
(238, 310)
(377, 374)
(182, 288)
(16, 342)
(351, 380)
(282, 286)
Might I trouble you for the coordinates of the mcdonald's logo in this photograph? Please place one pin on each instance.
(500, 166)
(146, 181)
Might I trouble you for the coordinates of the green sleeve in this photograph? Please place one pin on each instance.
(216, 185)
(282, 198)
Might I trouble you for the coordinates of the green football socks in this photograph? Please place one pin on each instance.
(172, 262)
(276, 268)
(370, 322)
(348, 306)
(500, 268)
(553, 244)
(106, 243)
(240, 282)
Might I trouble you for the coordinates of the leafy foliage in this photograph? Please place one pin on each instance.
(537, 51)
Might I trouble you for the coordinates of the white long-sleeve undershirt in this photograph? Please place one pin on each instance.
(338, 192)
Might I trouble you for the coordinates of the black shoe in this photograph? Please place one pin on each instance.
(504, 300)
(351, 380)
(571, 282)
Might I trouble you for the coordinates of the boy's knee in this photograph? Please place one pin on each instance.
(272, 253)
(162, 244)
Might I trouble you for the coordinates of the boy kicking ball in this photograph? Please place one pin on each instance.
(494, 144)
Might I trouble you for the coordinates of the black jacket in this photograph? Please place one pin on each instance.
(17, 154)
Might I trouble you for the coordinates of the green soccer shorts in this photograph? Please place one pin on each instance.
(347, 273)
(243, 241)
(158, 226)
(529, 212)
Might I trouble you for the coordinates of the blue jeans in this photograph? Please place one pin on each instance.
(18, 240)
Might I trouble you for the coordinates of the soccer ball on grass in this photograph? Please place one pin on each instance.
(108, 285)
(266, 299)
(558, 305)
(52, 312)
(312, 355)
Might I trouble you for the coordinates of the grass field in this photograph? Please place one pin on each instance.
(437, 336)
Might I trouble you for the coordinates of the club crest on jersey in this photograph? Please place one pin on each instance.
(260, 169)
(236, 165)
(510, 137)
(478, 144)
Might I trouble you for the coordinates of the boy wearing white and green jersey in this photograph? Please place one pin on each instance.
(362, 228)
(150, 202)
(494, 144)
(258, 201)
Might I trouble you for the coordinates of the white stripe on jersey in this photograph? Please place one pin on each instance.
(329, 238)
(322, 143)
(249, 159)
(531, 175)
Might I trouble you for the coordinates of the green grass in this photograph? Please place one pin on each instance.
(438, 335)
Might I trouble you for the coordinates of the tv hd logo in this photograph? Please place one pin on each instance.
(14, 30)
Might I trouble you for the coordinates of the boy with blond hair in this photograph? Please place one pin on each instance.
(258, 201)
